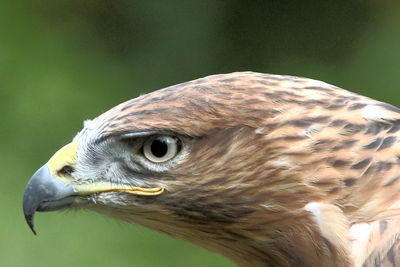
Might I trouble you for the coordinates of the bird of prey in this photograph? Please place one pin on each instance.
(268, 170)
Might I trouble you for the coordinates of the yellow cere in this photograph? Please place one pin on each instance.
(65, 156)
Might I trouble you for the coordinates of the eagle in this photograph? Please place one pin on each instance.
(267, 170)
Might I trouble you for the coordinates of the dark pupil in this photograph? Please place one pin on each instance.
(159, 148)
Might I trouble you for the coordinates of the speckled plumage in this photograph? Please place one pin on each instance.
(276, 170)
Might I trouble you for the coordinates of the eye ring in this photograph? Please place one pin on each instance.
(159, 149)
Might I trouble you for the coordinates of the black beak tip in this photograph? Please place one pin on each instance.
(29, 209)
(29, 220)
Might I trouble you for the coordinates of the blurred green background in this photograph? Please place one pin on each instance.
(66, 61)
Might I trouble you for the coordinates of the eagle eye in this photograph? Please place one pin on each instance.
(161, 148)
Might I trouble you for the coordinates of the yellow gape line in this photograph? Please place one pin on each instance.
(87, 189)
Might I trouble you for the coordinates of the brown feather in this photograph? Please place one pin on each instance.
(266, 146)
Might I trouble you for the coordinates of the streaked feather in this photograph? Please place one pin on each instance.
(284, 171)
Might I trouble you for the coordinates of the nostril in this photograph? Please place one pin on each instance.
(67, 170)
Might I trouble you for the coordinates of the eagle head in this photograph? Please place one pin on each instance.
(241, 164)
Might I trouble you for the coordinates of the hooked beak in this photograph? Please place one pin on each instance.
(44, 193)
(47, 190)
(50, 190)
